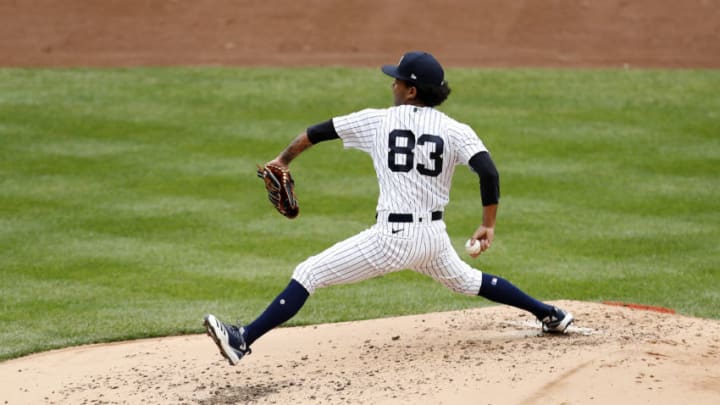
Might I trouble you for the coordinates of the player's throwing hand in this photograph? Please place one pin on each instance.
(483, 236)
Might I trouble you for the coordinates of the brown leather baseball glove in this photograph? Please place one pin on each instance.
(280, 187)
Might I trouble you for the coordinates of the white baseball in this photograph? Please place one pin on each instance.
(472, 249)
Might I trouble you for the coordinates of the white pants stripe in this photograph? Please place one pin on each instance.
(422, 247)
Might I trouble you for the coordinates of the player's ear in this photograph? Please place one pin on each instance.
(411, 92)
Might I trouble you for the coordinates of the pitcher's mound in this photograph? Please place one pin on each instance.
(491, 355)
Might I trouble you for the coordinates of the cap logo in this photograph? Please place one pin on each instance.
(412, 76)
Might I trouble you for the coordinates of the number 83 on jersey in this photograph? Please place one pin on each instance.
(401, 154)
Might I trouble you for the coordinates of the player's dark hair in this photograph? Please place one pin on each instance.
(430, 95)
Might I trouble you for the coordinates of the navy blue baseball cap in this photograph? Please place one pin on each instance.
(417, 67)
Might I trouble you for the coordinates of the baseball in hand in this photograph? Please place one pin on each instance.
(472, 248)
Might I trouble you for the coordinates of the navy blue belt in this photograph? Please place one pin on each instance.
(435, 216)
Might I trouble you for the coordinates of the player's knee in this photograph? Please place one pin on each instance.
(461, 285)
(464, 289)
(306, 278)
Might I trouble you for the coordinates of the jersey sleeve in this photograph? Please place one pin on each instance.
(467, 143)
(357, 130)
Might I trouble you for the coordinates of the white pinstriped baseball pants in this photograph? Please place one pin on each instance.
(423, 247)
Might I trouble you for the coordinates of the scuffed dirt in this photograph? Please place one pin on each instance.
(494, 355)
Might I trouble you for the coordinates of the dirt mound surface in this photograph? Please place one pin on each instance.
(565, 33)
(492, 355)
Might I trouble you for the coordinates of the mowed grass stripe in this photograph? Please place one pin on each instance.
(129, 205)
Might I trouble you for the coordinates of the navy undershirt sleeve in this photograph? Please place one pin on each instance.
(483, 165)
(323, 131)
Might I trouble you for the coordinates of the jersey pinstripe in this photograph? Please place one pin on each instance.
(414, 151)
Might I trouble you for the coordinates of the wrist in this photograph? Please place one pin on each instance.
(489, 216)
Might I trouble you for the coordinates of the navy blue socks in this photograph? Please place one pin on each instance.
(284, 307)
(289, 302)
(502, 291)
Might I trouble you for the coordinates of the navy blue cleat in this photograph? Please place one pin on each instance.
(557, 321)
(228, 338)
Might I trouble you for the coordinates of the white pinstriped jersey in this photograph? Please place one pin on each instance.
(414, 152)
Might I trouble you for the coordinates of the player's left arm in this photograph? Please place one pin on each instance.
(484, 166)
(323, 131)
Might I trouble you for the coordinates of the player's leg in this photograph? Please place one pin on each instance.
(499, 290)
(360, 257)
(447, 268)
(355, 259)
(234, 341)
(281, 309)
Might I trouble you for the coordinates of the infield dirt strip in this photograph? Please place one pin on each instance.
(494, 355)
(565, 33)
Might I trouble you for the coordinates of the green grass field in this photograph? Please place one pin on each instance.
(129, 205)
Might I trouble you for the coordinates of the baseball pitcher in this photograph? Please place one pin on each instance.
(414, 149)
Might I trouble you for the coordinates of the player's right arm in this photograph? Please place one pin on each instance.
(483, 165)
